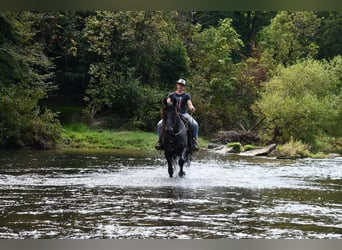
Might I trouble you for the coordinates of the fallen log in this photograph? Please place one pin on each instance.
(260, 151)
(222, 150)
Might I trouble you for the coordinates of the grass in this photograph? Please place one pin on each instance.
(238, 147)
(79, 135)
(293, 149)
(297, 149)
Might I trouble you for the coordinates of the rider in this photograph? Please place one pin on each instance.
(182, 99)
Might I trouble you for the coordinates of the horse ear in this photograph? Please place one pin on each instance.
(165, 100)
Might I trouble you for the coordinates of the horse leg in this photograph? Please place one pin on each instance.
(181, 162)
(170, 165)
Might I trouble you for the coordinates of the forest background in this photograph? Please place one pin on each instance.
(278, 73)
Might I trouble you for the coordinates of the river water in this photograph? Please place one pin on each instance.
(128, 195)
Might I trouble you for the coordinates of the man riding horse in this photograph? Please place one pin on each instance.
(182, 100)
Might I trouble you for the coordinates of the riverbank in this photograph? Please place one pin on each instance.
(81, 136)
(250, 144)
(291, 150)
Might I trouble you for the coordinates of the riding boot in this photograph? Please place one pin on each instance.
(159, 145)
(195, 146)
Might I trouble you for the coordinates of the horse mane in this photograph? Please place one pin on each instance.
(168, 106)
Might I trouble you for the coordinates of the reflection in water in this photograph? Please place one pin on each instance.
(129, 195)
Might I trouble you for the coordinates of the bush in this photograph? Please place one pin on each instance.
(237, 147)
(248, 147)
(294, 149)
(23, 124)
(44, 131)
(303, 101)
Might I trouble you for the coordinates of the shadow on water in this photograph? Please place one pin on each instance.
(126, 194)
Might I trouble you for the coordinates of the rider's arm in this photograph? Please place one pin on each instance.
(191, 106)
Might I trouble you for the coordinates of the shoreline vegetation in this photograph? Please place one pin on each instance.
(80, 136)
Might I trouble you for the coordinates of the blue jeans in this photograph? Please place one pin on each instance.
(193, 123)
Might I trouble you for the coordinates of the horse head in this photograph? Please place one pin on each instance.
(170, 117)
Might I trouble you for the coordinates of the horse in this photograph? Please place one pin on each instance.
(174, 138)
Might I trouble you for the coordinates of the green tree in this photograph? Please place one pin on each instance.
(246, 23)
(250, 75)
(60, 34)
(289, 37)
(173, 64)
(130, 50)
(303, 102)
(24, 81)
(213, 84)
(330, 39)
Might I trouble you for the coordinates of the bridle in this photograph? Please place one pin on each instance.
(177, 120)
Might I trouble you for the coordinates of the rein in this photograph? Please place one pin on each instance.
(180, 131)
(179, 120)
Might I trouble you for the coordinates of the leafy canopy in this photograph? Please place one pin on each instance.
(303, 101)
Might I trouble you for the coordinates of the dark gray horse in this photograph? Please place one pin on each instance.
(174, 138)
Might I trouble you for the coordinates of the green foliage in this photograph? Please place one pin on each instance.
(104, 91)
(78, 127)
(213, 48)
(330, 39)
(336, 145)
(23, 82)
(173, 63)
(303, 101)
(213, 86)
(250, 74)
(329, 144)
(246, 23)
(248, 147)
(289, 37)
(149, 104)
(135, 39)
(294, 149)
(22, 123)
(132, 50)
(237, 147)
(61, 35)
(133, 104)
(22, 61)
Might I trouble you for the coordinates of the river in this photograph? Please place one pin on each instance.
(128, 195)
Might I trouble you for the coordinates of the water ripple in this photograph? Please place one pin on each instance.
(107, 196)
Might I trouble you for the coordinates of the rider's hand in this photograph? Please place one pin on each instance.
(193, 109)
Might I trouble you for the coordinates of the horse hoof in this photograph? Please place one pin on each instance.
(181, 174)
(170, 174)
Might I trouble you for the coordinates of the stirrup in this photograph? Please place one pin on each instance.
(158, 146)
(195, 146)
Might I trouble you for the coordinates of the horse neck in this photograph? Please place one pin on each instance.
(178, 125)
